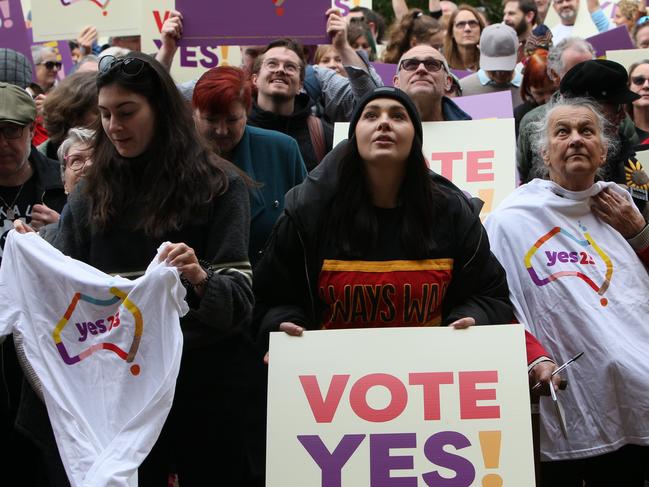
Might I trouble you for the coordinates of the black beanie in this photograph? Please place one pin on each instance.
(395, 94)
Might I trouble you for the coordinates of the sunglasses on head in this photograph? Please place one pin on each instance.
(50, 65)
(432, 65)
(639, 80)
(130, 66)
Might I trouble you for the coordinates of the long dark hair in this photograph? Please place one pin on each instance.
(174, 177)
(352, 225)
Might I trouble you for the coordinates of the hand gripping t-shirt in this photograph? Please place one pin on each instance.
(105, 349)
(578, 286)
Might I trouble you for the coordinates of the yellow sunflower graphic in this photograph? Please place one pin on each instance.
(636, 177)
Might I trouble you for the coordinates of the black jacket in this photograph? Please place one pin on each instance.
(294, 125)
(48, 180)
(286, 276)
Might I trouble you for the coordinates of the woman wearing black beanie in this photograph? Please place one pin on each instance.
(373, 238)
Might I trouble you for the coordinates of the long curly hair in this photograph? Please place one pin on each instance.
(414, 25)
(173, 179)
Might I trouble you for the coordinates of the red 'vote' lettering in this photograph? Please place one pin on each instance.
(479, 164)
(324, 407)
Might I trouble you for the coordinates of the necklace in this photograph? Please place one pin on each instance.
(11, 214)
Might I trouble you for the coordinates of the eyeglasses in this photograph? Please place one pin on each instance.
(77, 162)
(11, 132)
(274, 65)
(50, 65)
(463, 23)
(130, 66)
(358, 19)
(432, 65)
(639, 80)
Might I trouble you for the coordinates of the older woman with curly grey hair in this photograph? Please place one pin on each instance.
(75, 156)
(573, 249)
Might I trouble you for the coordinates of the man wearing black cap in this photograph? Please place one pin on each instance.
(27, 181)
(606, 82)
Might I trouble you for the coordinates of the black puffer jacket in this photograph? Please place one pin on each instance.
(286, 276)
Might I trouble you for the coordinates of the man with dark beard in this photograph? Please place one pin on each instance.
(520, 15)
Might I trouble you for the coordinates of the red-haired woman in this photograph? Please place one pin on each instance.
(537, 87)
(222, 100)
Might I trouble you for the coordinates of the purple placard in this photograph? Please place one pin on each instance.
(63, 53)
(386, 72)
(611, 40)
(252, 22)
(488, 105)
(461, 73)
(13, 32)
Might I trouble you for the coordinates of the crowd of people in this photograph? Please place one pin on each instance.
(271, 225)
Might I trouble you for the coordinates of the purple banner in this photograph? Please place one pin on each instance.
(386, 72)
(13, 33)
(611, 40)
(252, 22)
(63, 53)
(488, 105)
(461, 73)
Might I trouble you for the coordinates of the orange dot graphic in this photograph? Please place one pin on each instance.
(492, 480)
(603, 301)
(104, 13)
(279, 11)
(135, 369)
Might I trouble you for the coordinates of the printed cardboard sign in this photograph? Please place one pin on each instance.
(421, 406)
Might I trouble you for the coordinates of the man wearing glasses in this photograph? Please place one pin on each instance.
(27, 180)
(425, 76)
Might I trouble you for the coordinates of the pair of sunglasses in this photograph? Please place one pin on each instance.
(50, 65)
(432, 65)
(638, 80)
(129, 66)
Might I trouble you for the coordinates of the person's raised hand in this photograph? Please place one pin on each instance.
(337, 29)
(172, 30)
(86, 39)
